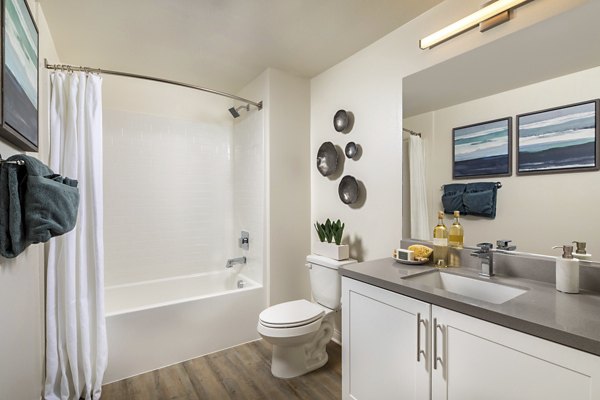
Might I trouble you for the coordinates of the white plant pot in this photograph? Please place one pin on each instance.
(332, 250)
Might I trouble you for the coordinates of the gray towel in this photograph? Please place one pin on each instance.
(35, 205)
(477, 198)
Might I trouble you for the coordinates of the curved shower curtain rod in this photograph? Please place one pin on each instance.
(66, 67)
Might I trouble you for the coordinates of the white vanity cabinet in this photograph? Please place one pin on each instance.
(474, 359)
(481, 360)
(380, 342)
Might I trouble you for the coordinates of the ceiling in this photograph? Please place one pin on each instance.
(222, 44)
(557, 46)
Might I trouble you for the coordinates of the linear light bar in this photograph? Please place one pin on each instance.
(469, 22)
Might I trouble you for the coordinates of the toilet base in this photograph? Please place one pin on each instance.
(292, 361)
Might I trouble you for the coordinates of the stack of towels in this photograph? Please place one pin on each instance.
(35, 204)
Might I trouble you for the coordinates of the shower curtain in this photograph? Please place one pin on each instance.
(419, 221)
(76, 349)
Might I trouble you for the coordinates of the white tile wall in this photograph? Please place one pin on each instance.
(169, 196)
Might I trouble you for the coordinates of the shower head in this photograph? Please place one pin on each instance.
(235, 111)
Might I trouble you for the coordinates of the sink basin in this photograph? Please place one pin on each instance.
(469, 287)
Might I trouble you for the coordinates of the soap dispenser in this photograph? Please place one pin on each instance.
(580, 252)
(567, 271)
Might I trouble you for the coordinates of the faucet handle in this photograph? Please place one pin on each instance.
(485, 247)
(503, 244)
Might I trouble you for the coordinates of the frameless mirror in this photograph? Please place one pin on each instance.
(543, 66)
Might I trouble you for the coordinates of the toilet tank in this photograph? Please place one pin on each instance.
(325, 281)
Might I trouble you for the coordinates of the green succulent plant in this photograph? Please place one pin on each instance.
(330, 231)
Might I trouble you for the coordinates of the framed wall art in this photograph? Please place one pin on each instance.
(20, 52)
(560, 139)
(482, 150)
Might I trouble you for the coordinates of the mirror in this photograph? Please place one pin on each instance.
(550, 64)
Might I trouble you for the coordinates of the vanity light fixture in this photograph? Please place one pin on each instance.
(470, 21)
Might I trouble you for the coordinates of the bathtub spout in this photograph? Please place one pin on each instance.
(232, 261)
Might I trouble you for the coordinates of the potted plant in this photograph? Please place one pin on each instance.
(330, 244)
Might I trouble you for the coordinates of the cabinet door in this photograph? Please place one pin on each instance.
(481, 360)
(379, 344)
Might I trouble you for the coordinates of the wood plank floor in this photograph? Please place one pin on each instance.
(242, 372)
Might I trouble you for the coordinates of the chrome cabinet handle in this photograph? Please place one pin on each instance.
(436, 359)
(419, 351)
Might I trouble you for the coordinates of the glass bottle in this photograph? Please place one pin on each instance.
(440, 242)
(456, 235)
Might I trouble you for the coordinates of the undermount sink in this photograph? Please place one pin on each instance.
(469, 287)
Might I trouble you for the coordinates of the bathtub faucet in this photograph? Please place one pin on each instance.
(232, 261)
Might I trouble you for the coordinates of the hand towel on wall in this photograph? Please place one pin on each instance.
(477, 198)
(452, 198)
(480, 199)
(35, 205)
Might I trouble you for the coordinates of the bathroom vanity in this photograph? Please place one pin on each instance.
(406, 334)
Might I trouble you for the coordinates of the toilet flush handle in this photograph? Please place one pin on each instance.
(309, 266)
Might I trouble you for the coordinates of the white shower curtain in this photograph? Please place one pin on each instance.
(76, 349)
(419, 221)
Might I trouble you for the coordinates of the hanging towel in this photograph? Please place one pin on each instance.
(452, 198)
(35, 205)
(477, 198)
(480, 199)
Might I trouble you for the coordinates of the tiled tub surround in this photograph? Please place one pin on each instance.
(249, 189)
(177, 195)
(168, 197)
(569, 319)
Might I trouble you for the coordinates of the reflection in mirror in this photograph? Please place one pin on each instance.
(534, 69)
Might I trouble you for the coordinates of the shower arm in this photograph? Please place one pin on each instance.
(71, 68)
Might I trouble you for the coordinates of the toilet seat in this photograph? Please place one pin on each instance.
(291, 314)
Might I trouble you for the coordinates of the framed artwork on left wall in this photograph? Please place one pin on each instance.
(482, 150)
(20, 76)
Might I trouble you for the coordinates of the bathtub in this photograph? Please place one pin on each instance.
(156, 323)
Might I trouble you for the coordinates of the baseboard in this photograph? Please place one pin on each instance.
(337, 337)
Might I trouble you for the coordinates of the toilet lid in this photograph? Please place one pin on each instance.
(291, 314)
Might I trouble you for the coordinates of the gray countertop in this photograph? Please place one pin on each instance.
(569, 319)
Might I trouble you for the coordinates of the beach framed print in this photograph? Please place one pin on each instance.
(560, 139)
(20, 82)
(482, 150)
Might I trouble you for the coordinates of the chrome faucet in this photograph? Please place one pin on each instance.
(232, 261)
(486, 256)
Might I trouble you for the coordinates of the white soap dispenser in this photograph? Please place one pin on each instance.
(567, 271)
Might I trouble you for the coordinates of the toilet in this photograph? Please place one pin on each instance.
(299, 330)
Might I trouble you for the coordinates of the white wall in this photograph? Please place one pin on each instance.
(289, 177)
(22, 278)
(535, 211)
(370, 84)
(161, 99)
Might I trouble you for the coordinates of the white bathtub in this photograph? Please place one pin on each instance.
(157, 323)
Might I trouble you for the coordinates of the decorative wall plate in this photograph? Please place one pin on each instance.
(348, 190)
(327, 159)
(342, 121)
(351, 150)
